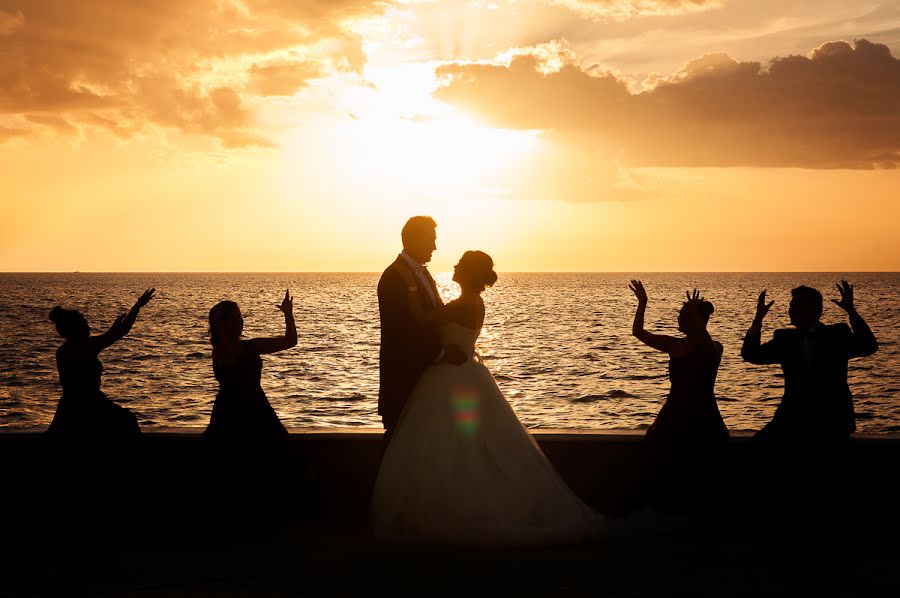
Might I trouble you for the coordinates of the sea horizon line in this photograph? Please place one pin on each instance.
(439, 270)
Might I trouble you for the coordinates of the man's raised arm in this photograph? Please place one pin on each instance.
(862, 341)
(752, 350)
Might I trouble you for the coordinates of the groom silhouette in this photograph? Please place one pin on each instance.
(407, 348)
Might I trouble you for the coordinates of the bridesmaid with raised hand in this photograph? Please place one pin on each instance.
(84, 411)
(241, 412)
(684, 446)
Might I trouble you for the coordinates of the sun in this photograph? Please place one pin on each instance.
(435, 155)
(394, 136)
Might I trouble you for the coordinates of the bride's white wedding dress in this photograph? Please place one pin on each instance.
(462, 468)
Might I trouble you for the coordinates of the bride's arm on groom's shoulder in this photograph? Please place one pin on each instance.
(660, 342)
(280, 343)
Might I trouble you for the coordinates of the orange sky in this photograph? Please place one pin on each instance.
(568, 135)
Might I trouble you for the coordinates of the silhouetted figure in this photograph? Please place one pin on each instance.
(241, 414)
(817, 404)
(407, 346)
(84, 411)
(685, 445)
(460, 466)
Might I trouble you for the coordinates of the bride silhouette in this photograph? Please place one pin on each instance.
(460, 466)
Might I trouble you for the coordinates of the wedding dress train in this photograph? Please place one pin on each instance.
(462, 468)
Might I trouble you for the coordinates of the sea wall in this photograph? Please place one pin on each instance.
(172, 476)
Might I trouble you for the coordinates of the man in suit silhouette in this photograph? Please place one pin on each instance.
(817, 404)
(407, 348)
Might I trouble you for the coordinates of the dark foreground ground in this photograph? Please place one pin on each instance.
(174, 519)
(328, 560)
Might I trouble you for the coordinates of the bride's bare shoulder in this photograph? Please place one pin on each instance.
(467, 311)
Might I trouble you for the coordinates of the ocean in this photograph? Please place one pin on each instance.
(559, 345)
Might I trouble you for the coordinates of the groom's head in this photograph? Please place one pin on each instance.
(419, 238)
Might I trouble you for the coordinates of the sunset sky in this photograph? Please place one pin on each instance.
(566, 135)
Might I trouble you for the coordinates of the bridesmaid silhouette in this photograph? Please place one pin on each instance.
(683, 447)
(84, 411)
(241, 411)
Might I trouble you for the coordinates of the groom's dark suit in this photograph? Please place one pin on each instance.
(817, 400)
(407, 348)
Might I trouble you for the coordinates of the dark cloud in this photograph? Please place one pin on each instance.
(835, 108)
(196, 66)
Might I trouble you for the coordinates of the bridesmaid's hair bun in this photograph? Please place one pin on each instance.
(69, 322)
(704, 310)
(225, 322)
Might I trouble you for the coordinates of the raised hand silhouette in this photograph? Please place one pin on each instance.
(145, 298)
(287, 304)
(637, 288)
(846, 301)
(762, 308)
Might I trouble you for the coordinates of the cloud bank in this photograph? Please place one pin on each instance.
(194, 66)
(836, 107)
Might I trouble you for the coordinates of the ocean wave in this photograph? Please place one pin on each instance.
(185, 417)
(145, 357)
(644, 377)
(611, 394)
(352, 398)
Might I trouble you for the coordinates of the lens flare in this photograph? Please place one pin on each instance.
(467, 411)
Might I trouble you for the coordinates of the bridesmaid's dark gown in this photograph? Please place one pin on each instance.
(242, 411)
(684, 448)
(84, 411)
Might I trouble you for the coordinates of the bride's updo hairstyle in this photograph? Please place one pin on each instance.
(225, 322)
(69, 323)
(476, 270)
